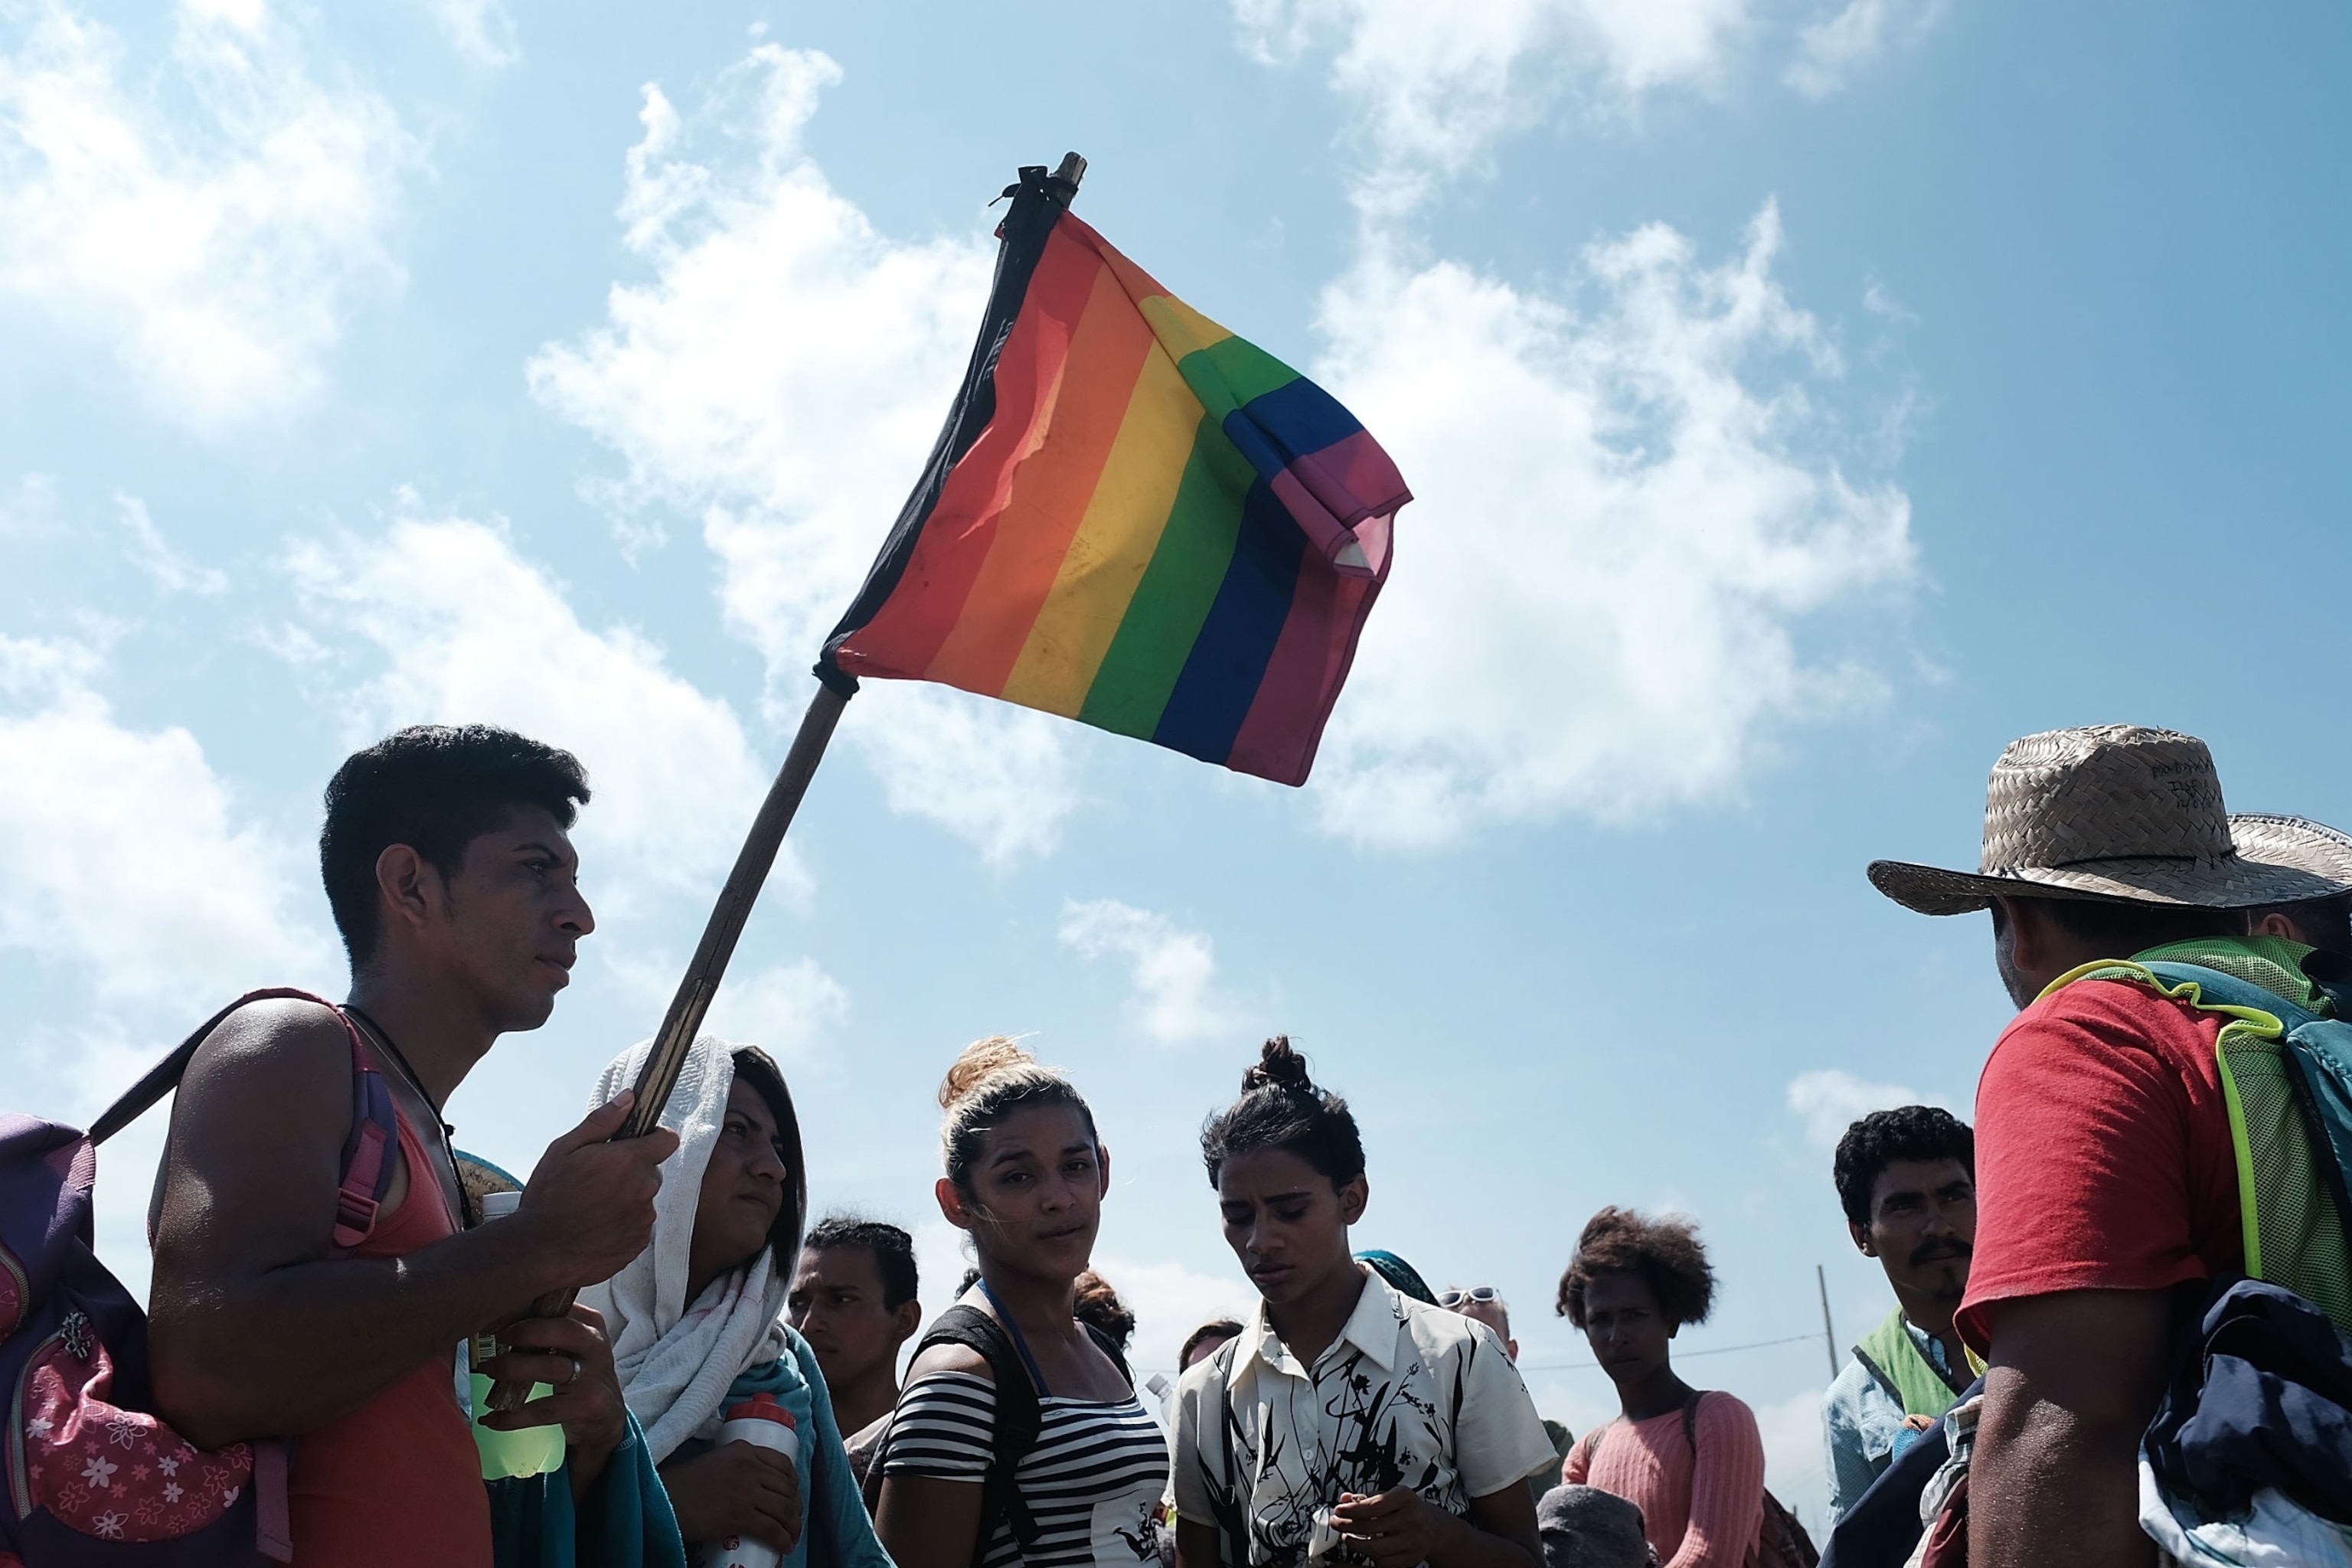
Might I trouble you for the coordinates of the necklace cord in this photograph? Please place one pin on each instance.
(1020, 1340)
(448, 1133)
(400, 1059)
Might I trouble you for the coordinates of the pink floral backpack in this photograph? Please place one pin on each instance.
(94, 1477)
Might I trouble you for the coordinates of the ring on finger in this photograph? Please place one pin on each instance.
(575, 1372)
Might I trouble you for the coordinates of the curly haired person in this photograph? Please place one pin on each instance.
(1907, 1178)
(1693, 1462)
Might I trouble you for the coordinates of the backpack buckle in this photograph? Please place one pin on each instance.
(354, 1218)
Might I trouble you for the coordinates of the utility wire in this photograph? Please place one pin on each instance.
(1679, 1355)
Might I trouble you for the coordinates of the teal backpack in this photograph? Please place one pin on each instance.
(2287, 1075)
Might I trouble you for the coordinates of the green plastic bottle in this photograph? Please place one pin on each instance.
(534, 1450)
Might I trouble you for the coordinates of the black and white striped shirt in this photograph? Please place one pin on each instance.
(1093, 1483)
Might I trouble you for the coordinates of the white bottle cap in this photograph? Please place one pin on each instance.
(499, 1205)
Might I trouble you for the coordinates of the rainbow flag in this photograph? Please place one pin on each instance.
(1133, 519)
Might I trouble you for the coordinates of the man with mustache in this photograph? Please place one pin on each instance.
(1907, 1179)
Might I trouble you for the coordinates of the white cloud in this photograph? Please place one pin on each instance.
(1880, 301)
(787, 364)
(1621, 524)
(1796, 1465)
(29, 510)
(998, 777)
(471, 632)
(1431, 89)
(1832, 49)
(782, 375)
(942, 1255)
(171, 570)
(1174, 971)
(211, 221)
(1831, 1099)
(1433, 86)
(786, 1009)
(481, 31)
(1170, 1301)
(127, 859)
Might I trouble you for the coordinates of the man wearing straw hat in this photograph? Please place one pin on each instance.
(2106, 1173)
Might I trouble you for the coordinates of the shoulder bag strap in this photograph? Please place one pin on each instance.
(1017, 1419)
(165, 1076)
(375, 1128)
(365, 1174)
(1690, 1420)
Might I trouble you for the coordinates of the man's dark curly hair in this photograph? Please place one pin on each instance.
(1666, 1253)
(1883, 1137)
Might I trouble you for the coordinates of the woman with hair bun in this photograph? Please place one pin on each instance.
(1347, 1419)
(1693, 1462)
(1018, 1439)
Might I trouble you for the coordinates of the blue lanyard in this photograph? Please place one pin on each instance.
(1020, 1342)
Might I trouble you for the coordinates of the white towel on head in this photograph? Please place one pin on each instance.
(675, 1360)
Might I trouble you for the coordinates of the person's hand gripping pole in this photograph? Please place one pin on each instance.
(590, 1202)
(643, 1106)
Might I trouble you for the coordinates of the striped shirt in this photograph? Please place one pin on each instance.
(1092, 1483)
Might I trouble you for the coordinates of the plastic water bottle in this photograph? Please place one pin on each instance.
(761, 1420)
(534, 1450)
(495, 1206)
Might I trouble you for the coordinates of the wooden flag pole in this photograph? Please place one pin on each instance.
(686, 1009)
(684, 1020)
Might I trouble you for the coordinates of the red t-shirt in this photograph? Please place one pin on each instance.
(2104, 1160)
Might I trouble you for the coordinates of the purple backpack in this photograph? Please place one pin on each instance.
(94, 1477)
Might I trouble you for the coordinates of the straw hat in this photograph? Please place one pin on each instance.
(2295, 841)
(2121, 813)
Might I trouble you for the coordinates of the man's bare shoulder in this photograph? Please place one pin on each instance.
(283, 1065)
(277, 1036)
(248, 1175)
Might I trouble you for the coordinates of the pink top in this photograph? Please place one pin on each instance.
(1701, 1511)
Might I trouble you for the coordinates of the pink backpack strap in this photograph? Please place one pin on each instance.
(367, 1152)
(367, 1163)
(366, 1172)
(165, 1076)
(374, 1134)
(273, 1519)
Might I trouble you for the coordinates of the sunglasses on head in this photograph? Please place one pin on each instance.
(1482, 1294)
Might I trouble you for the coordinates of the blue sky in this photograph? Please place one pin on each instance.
(1802, 401)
